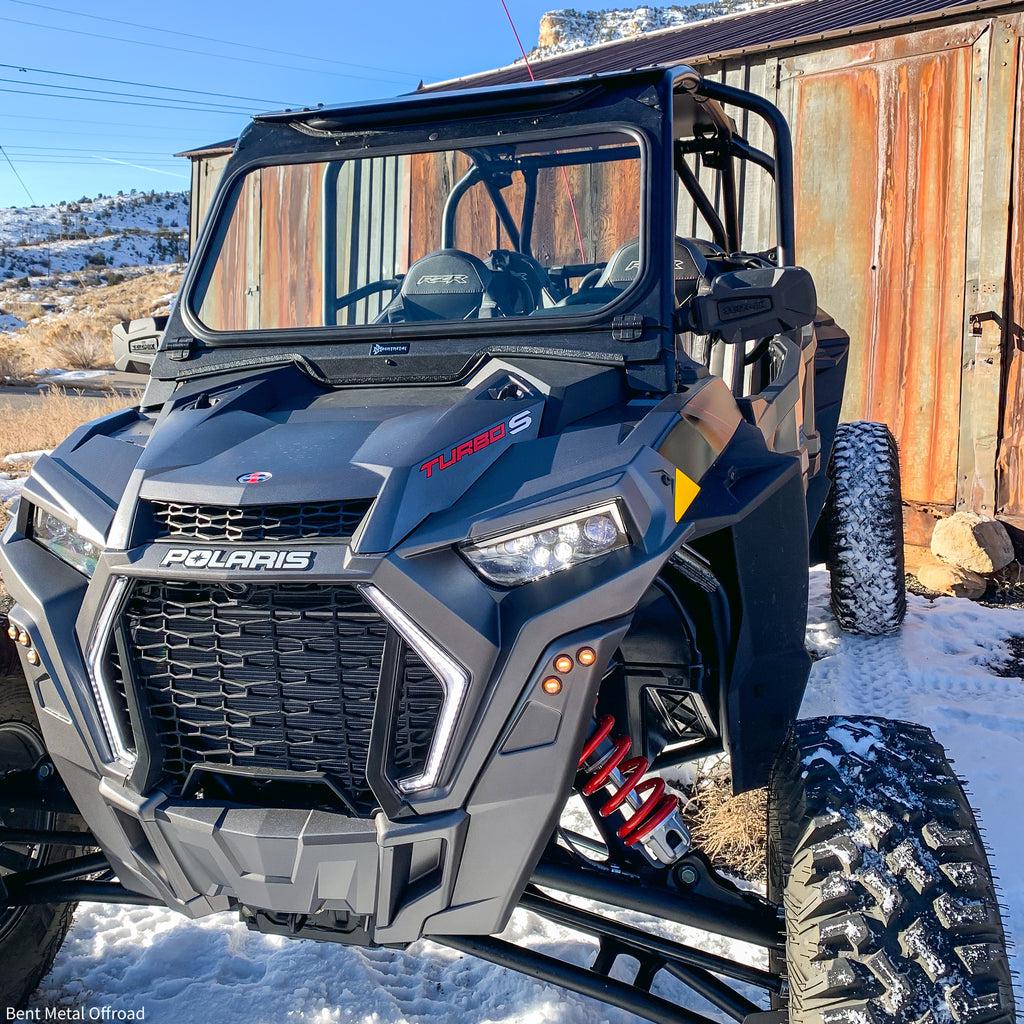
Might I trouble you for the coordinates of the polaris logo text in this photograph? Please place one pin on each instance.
(238, 558)
(518, 423)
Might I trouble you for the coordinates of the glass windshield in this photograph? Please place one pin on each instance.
(529, 229)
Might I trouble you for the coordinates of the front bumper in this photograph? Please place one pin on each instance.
(448, 861)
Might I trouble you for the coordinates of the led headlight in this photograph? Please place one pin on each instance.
(60, 539)
(539, 551)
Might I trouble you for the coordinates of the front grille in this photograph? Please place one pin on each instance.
(253, 524)
(418, 700)
(272, 676)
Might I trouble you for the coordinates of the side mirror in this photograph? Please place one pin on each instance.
(135, 343)
(752, 304)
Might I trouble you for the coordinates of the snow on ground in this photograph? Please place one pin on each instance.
(10, 486)
(942, 671)
(55, 375)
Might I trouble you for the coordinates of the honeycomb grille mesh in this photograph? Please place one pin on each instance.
(273, 676)
(251, 525)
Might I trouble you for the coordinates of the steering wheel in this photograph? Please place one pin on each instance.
(530, 272)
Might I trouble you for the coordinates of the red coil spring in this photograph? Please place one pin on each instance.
(657, 805)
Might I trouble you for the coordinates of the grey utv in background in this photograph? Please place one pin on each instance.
(135, 343)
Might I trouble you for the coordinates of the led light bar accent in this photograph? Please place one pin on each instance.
(98, 668)
(452, 676)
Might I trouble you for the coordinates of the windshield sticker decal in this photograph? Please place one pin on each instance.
(389, 348)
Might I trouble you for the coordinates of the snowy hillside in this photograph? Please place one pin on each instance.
(571, 29)
(136, 229)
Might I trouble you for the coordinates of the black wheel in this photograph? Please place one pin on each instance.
(864, 527)
(891, 912)
(29, 936)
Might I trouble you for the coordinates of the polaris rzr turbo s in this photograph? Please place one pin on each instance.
(479, 470)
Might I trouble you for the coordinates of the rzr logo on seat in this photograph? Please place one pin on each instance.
(521, 421)
(239, 558)
(443, 279)
(632, 268)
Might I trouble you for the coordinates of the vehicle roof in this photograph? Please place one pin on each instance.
(490, 99)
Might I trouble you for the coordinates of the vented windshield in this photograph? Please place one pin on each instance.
(516, 230)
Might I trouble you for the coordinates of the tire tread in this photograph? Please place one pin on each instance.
(891, 910)
(864, 521)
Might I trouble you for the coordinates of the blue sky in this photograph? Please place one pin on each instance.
(291, 52)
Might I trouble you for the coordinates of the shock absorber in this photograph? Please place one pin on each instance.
(654, 819)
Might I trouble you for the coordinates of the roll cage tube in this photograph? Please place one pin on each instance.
(719, 149)
(490, 173)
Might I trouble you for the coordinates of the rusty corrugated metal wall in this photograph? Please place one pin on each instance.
(904, 150)
(882, 221)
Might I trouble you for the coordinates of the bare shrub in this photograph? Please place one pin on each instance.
(92, 310)
(80, 347)
(12, 358)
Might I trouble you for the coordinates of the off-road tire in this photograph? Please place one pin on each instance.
(864, 531)
(28, 948)
(874, 852)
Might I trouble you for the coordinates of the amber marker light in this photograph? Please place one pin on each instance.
(33, 656)
(563, 664)
(23, 639)
(12, 632)
(552, 686)
(586, 656)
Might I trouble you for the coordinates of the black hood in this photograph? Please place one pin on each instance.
(416, 450)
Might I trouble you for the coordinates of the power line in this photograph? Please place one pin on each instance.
(18, 176)
(77, 159)
(193, 104)
(146, 85)
(200, 53)
(81, 163)
(122, 103)
(87, 149)
(211, 39)
(75, 154)
(74, 120)
(92, 134)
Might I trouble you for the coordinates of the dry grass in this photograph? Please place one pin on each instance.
(729, 829)
(78, 347)
(50, 420)
(12, 358)
(79, 336)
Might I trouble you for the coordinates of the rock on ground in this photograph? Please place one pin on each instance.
(951, 580)
(972, 542)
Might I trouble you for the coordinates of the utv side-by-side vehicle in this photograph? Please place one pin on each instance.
(479, 471)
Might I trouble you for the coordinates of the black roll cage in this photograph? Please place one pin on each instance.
(717, 149)
(496, 174)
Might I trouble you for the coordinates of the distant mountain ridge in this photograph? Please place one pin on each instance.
(134, 229)
(570, 29)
